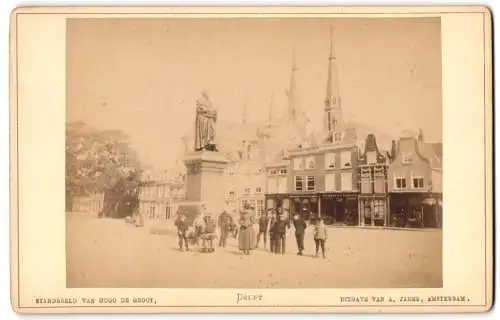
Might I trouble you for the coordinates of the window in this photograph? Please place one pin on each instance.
(379, 185)
(247, 190)
(231, 194)
(311, 185)
(273, 172)
(346, 181)
(418, 183)
(297, 164)
(346, 159)
(371, 157)
(311, 163)
(400, 183)
(330, 160)
(330, 182)
(407, 158)
(283, 172)
(366, 184)
(378, 209)
(259, 207)
(299, 183)
(258, 190)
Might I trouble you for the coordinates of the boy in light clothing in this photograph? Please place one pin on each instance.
(320, 236)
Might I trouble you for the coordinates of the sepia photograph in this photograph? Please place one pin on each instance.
(256, 153)
(251, 159)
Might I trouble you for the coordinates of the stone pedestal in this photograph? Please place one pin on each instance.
(205, 180)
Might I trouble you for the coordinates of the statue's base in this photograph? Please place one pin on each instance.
(205, 180)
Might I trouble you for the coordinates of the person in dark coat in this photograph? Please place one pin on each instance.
(246, 237)
(225, 220)
(263, 229)
(182, 228)
(300, 228)
(280, 229)
(272, 234)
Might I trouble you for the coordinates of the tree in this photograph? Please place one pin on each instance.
(99, 161)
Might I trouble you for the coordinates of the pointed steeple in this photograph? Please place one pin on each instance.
(333, 108)
(293, 107)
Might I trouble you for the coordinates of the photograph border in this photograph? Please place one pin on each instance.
(344, 11)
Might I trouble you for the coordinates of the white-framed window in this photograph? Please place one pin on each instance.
(273, 172)
(330, 182)
(258, 190)
(418, 182)
(259, 207)
(400, 183)
(330, 160)
(298, 164)
(379, 184)
(283, 171)
(346, 159)
(371, 157)
(407, 158)
(346, 181)
(248, 190)
(299, 183)
(311, 183)
(310, 163)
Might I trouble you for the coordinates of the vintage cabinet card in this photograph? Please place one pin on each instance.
(280, 159)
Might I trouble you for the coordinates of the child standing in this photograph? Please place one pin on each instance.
(320, 236)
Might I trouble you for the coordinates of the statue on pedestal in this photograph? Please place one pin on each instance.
(206, 118)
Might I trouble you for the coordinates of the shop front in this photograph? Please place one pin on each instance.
(277, 201)
(373, 210)
(416, 210)
(339, 208)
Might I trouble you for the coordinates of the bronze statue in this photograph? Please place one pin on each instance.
(206, 118)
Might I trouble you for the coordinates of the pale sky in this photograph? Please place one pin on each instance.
(143, 76)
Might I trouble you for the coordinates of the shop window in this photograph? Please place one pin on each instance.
(299, 183)
(346, 159)
(378, 209)
(311, 183)
(330, 160)
(418, 183)
(400, 183)
(330, 182)
(259, 207)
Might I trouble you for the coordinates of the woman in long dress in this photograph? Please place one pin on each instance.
(247, 235)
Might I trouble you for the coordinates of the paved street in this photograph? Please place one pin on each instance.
(112, 253)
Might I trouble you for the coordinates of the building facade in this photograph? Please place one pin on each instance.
(415, 182)
(373, 166)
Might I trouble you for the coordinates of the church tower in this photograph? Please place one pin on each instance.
(293, 110)
(333, 104)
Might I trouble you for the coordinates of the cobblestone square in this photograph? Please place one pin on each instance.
(110, 253)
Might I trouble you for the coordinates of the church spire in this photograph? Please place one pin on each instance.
(293, 107)
(333, 109)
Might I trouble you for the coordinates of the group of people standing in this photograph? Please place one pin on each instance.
(275, 224)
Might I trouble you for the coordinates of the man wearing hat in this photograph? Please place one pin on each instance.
(224, 222)
(300, 228)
